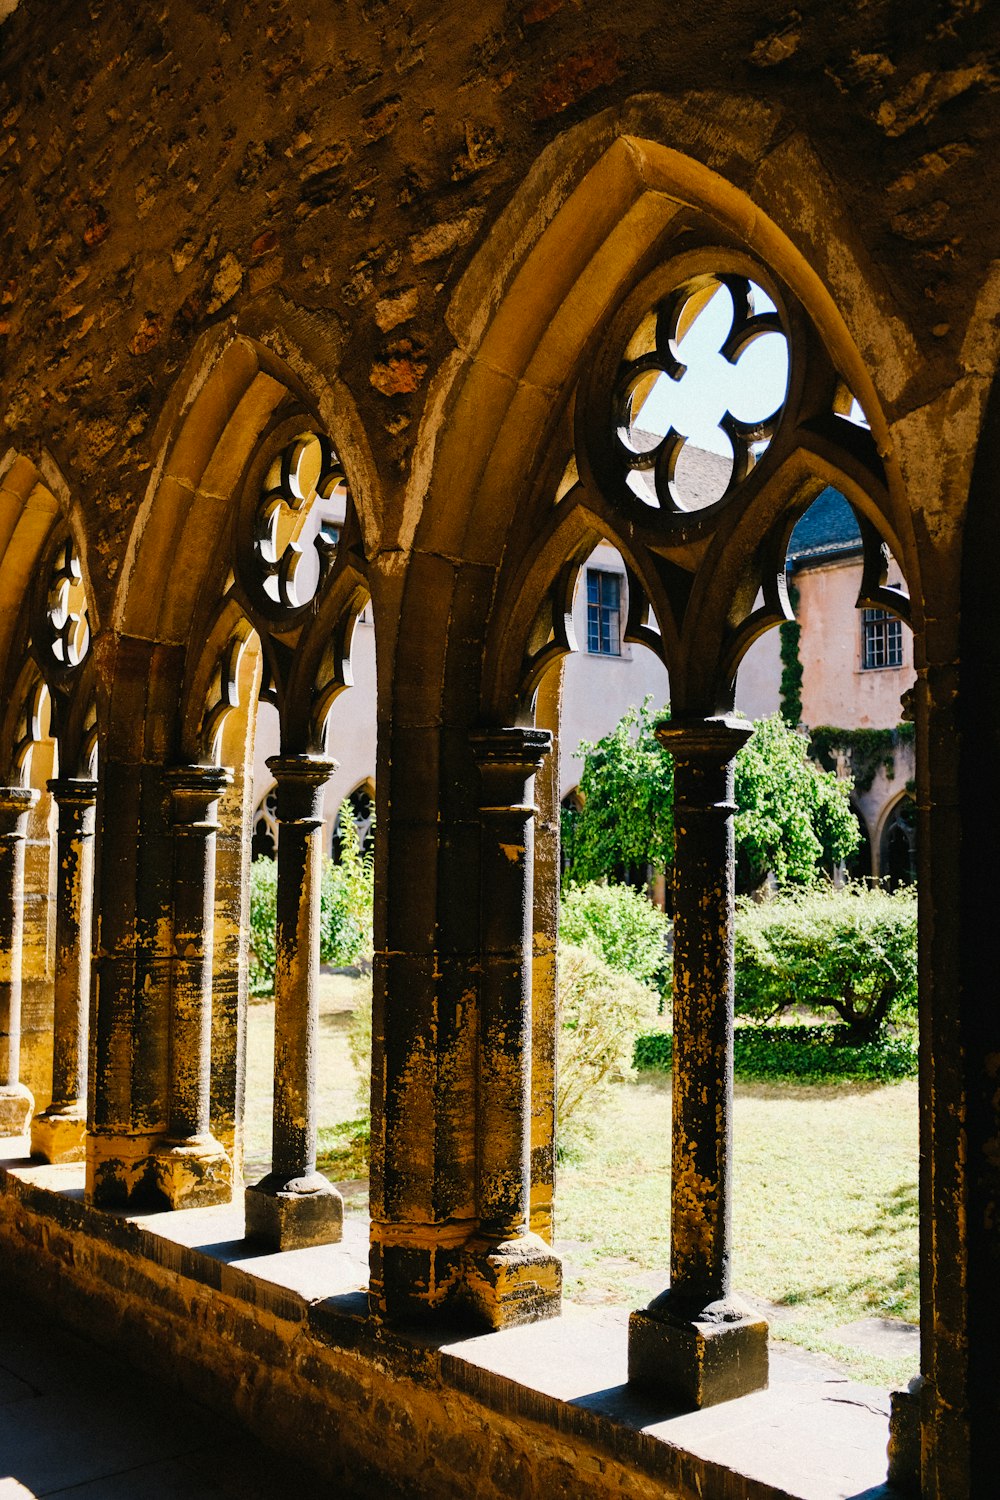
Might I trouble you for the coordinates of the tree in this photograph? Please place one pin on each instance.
(853, 951)
(627, 791)
(793, 819)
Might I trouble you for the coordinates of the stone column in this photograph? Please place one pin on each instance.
(512, 1275)
(696, 1342)
(294, 1204)
(544, 966)
(16, 1102)
(57, 1135)
(191, 1168)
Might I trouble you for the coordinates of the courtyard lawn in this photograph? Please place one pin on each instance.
(825, 1209)
(339, 1088)
(825, 1202)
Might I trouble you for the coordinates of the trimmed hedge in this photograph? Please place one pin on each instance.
(807, 1054)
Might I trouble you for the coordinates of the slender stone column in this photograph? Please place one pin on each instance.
(695, 1341)
(512, 1275)
(191, 1167)
(16, 1102)
(57, 1135)
(294, 1204)
(544, 967)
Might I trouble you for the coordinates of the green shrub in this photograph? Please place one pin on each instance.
(263, 916)
(346, 898)
(852, 951)
(805, 1054)
(600, 1010)
(346, 895)
(620, 925)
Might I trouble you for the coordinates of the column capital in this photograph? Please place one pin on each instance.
(514, 747)
(73, 791)
(309, 770)
(712, 741)
(194, 790)
(15, 801)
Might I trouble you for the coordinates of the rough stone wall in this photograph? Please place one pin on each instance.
(374, 1412)
(158, 172)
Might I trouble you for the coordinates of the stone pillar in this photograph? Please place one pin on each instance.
(544, 966)
(57, 1135)
(16, 1102)
(695, 1342)
(511, 1275)
(191, 1168)
(294, 1204)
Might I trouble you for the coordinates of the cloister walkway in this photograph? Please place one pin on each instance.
(77, 1421)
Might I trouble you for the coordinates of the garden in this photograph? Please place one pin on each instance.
(825, 1200)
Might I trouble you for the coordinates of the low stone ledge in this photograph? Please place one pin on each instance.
(286, 1342)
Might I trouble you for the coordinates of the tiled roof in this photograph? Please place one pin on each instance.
(827, 529)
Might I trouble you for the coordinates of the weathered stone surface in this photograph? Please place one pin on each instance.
(697, 1364)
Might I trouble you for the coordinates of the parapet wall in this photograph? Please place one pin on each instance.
(285, 1344)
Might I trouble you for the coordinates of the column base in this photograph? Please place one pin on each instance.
(290, 1213)
(904, 1438)
(193, 1173)
(700, 1361)
(58, 1134)
(512, 1281)
(16, 1104)
(121, 1171)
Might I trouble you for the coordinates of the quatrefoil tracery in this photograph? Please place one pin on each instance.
(653, 456)
(289, 571)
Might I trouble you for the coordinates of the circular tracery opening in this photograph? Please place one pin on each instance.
(67, 621)
(295, 540)
(700, 391)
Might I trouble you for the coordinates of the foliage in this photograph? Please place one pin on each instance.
(627, 789)
(346, 893)
(346, 898)
(807, 1054)
(853, 951)
(600, 1010)
(263, 917)
(789, 635)
(792, 819)
(866, 750)
(621, 925)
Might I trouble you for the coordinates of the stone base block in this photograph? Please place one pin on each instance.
(289, 1214)
(59, 1135)
(513, 1281)
(120, 1170)
(696, 1364)
(904, 1438)
(193, 1174)
(16, 1104)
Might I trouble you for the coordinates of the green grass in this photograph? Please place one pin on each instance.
(825, 1202)
(825, 1207)
(343, 1158)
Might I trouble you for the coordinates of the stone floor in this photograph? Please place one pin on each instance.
(75, 1421)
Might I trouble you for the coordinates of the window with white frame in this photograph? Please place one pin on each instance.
(604, 607)
(881, 639)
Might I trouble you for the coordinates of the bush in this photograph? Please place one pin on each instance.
(852, 951)
(620, 925)
(346, 895)
(807, 1054)
(263, 917)
(346, 900)
(600, 1010)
